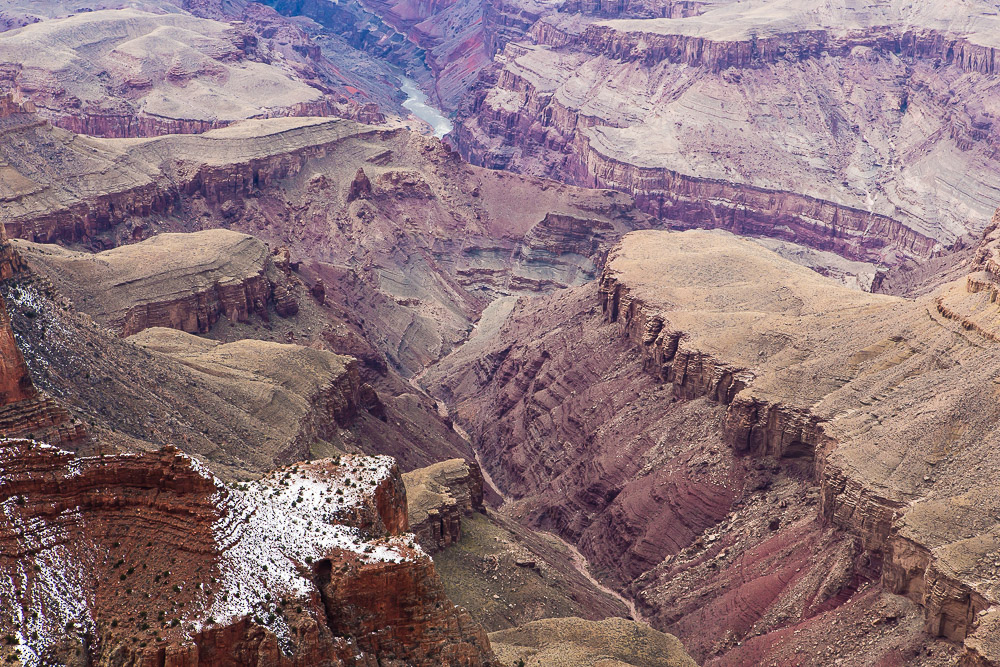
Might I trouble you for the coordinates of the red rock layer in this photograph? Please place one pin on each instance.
(15, 381)
(118, 544)
(773, 430)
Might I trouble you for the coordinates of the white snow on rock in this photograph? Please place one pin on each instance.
(273, 529)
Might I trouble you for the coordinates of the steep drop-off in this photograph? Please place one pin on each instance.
(268, 572)
(867, 132)
(755, 454)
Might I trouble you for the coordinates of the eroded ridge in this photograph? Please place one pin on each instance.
(899, 514)
(291, 568)
(790, 453)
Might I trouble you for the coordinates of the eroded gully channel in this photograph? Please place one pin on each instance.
(580, 562)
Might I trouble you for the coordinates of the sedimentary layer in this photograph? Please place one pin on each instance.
(178, 281)
(815, 426)
(415, 255)
(844, 130)
(128, 70)
(268, 572)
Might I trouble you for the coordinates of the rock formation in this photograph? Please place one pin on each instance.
(179, 281)
(269, 570)
(735, 408)
(686, 106)
(361, 187)
(184, 71)
(24, 411)
(438, 497)
(299, 173)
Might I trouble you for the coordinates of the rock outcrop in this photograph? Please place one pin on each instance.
(725, 408)
(178, 281)
(289, 569)
(438, 497)
(24, 411)
(676, 104)
(184, 71)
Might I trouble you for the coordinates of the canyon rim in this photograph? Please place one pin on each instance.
(482, 333)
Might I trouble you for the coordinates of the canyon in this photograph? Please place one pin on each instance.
(256, 361)
(499, 332)
(754, 477)
(865, 132)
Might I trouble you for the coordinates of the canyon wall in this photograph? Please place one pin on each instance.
(733, 468)
(626, 104)
(80, 521)
(178, 281)
(257, 63)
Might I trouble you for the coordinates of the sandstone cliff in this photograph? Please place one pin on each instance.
(812, 480)
(289, 569)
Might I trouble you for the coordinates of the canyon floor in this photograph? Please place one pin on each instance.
(679, 348)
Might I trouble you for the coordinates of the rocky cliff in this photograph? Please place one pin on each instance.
(438, 497)
(24, 411)
(678, 110)
(186, 71)
(291, 182)
(178, 281)
(289, 569)
(810, 486)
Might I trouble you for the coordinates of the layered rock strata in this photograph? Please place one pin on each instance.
(24, 411)
(178, 281)
(453, 230)
(687, 112)
(289, 569)
(246, 400)
(438, 497)
(825, 431)
(122, 71)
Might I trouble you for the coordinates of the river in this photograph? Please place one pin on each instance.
(417, 104)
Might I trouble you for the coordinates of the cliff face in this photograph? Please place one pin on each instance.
(621, 104)
(245, 591)
(15, 382)
(24, 411)
(243, 52)
(178, 281)
(775, 510)
(438, 497)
